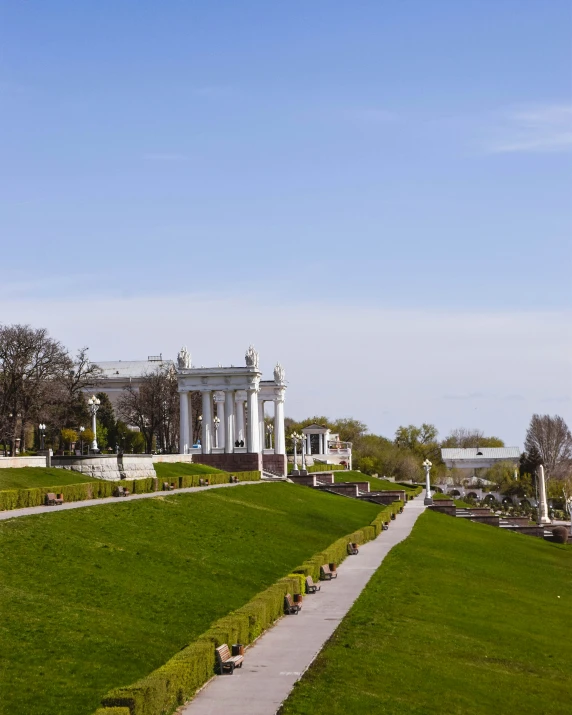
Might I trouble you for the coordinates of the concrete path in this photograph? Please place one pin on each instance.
(279, 658)
(14, 513)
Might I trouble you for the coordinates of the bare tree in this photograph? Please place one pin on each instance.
(551, 438)
(153, 408)
(30, 363)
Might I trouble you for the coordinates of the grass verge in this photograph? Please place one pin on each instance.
(376, 484)
(29, 477)
(164, 470)
(460, 618)
(96, 598)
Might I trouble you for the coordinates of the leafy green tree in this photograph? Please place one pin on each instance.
(465, 438)
(69, 436)
(421, 441)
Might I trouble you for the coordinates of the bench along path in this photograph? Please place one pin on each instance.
(14, 513)
(279, 658)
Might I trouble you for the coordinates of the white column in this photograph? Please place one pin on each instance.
(207, 440)
(184, 427)
(219, 398)
(279, 431)
(229, 416)
(239, 398)
(308, 444)
(544, 518)
(253, 428)
(326, 440)
(261, 434)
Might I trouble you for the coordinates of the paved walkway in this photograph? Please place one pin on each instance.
(14, 513)
(279, 658)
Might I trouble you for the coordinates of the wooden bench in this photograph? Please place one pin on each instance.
(121, 492)
(326, 573)
(168, 487)
(291, 608)
(311, 587)
(53, 499)
(352, 549)
(226, 661)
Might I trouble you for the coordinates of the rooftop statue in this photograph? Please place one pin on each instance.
(184, 358)
(251, 357)
(279, 373)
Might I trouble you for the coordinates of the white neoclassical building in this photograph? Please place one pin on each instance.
(234, 435)
(325, 446)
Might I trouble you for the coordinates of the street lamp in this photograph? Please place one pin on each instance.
(81, 431)
(295, 437)
(428, 498)
(216, 422)
(42, 428)
(93, 405)
(270, 430)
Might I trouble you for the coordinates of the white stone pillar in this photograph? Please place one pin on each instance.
(279, 430)
(308, 444)
(326, 440)
(184, 423)
(240, 397)
(253, 427)
(219, 399)
(229, 416)
(207, 439)
(261, 430)
(544, 518)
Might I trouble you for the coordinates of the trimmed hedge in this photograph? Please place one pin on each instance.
(174, 683)
(100, 489)
(320, 468)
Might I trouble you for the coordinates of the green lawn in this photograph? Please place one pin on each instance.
(178, 469)
(376, 484)
(460, 618)
(98, 597)
(27, 477)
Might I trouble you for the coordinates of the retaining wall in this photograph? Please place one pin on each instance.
(22, 462)
(110, 467)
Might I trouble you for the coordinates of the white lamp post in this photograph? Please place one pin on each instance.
(428, 498)
(93, 405)
(81, 431)
(216, 422)
(295, 437)
(303, 468)
(270, 430)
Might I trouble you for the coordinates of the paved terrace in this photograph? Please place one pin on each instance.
(14, 513)
(279, 657)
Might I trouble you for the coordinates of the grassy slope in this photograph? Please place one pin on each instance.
(178, 469)
(460, 618)
(376, 484)
(97, 597)
(27, 477)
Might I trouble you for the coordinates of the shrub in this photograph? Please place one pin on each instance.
(560, 534)
(112, 711)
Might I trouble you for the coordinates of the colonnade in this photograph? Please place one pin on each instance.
(240, 425)
(322, 444)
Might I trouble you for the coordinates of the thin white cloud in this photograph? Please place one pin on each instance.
(545, 128)
(386, 367)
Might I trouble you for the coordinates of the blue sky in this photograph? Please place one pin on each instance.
(400, 164)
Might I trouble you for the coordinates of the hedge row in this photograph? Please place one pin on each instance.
(99, 489)
(174, 683)
(320, 467)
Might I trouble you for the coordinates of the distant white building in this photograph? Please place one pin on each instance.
(119, 374)
(325, 446)
(468, 460)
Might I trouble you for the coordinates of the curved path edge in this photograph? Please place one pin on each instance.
(279, 658)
